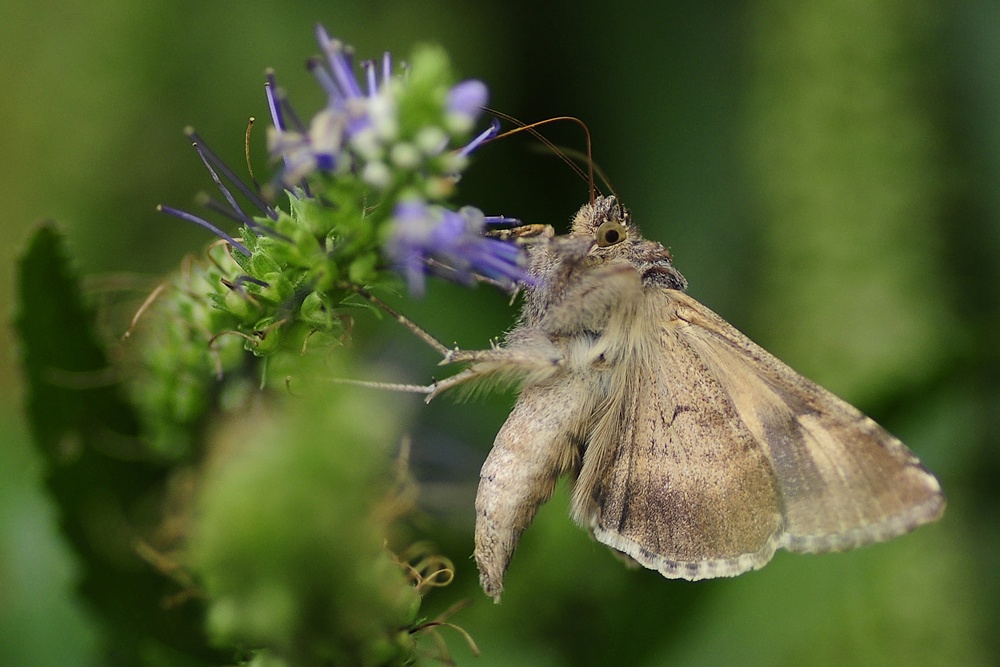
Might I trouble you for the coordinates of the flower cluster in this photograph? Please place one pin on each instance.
(381, 130)
(401, 137)
(368, 180)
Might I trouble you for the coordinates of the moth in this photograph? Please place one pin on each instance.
(692, 450)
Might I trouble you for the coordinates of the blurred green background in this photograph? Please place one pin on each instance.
(826, 175)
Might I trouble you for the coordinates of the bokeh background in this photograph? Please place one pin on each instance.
(826, 174)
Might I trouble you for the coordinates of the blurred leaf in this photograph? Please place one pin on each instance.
(293, 515)
(848, 163)
(86, 432)
(911, 602)
(44, 622)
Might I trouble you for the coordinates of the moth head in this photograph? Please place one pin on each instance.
(606, 222)
(608, 226)
(610, 233)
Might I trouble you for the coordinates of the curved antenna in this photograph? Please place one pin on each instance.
(579, 156)
(559, 152)
(530, 128)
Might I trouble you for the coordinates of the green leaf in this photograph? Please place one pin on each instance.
(97, 468)
(293, 516)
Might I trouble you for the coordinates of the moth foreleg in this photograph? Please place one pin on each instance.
(530, 358)
(420, 333)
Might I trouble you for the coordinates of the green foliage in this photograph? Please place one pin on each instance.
(96, 468)
(183, 356)
(290, 543)
(283, 531)
(848, 164)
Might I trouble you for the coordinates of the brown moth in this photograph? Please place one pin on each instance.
(693, 451)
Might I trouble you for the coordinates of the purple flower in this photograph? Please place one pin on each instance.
(465, 102)
(359, 127)
(432, 239)
(321, 146)
(218, 170)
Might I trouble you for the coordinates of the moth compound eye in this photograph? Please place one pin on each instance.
(610, 233)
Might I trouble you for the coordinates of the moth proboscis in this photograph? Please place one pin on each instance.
(694, 452)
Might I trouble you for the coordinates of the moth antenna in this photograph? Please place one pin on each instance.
(246, 153)
(530, 128)
(559, 152)
(147, 302)
(399, 317)
(580, 156)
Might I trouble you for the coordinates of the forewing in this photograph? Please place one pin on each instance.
(671, 476)
(844, 481)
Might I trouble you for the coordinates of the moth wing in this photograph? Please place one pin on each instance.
(672, 477)
(843, 480)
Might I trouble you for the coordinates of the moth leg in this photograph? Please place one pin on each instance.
(451, 273)
(609, 292)
(504, 356)
(433, 342)
(387, 386)
(432, 390)
(530, 357)
(538, 443)
(523, 233)
(496, 364)
(440, 386)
